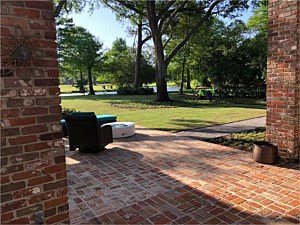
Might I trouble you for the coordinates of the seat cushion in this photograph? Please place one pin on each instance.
(82, 113)
(106, 117)
(100, 118)
(63, 123)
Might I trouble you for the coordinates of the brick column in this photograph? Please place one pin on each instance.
(283, 76)
(33, 168)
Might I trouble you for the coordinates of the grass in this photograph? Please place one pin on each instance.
(243, 140)
(66, 88)
(169, 84)
(183, 113)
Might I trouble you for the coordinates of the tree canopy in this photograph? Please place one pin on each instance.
(78, 50)
(119, 65)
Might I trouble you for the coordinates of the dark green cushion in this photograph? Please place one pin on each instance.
(82, 113)
(106, 117)
(100, 118)
(63, 123)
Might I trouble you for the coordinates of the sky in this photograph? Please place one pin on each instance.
(104, 25)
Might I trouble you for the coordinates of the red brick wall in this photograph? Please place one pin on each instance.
(283, 76)
(33, 168)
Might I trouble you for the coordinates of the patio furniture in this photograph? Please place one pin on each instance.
(106, 118)
(85, 133)
(101, 119)
(122, 129)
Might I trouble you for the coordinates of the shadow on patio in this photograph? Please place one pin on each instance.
(156, 177)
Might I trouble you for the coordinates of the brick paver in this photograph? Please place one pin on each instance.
(156, 177)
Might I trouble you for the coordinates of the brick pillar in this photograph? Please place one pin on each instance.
(283, 76)
(33, 168)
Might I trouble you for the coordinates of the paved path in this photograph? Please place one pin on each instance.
(224, 129)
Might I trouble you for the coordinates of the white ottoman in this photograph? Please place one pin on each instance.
(122, 129)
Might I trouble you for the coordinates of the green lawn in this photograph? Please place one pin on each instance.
(243, 140)
(183, 113)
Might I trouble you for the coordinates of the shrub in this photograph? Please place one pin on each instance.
(81, 85)
(67, 111)
(129, 90)
(125, 90)
(145, 91)
(250, 92)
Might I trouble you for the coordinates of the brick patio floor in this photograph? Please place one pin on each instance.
(156, 177)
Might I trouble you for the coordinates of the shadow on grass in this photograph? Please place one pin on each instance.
(148, 101)
(188, 124)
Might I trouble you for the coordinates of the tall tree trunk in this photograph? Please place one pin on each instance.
(161, 73)
(81, 75)
(90, 79)
(182, 76)
(138, 59)
(161, 64)
(161, 83)
(80, 84)
(188, 79)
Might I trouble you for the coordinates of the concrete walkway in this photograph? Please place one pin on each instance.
(224, 129)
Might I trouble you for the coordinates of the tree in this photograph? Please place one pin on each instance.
(182, 61)
(230, 57)
(188, 60)
(140, 26)
(138, 60)
(65, 6)
(259, 24)
(78, 49)
(119, 65)
(69, 66)
(163, 16)
(259, 20)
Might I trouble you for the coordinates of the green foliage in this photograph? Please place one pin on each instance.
(195, 83)
(119, 45)
(231, 59)
(76, 6)
(119, 65)
(78, 50)
(242, 141)
(67, 111)
(259, 21)
(147, 70)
